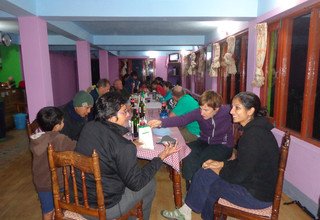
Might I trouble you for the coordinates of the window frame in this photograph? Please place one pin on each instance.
(283, 72)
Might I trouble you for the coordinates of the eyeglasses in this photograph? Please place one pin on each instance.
(124, 112)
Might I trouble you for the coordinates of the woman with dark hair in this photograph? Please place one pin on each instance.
(249, 180)
(124, 181)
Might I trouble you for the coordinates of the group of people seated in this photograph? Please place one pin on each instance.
(98, 120)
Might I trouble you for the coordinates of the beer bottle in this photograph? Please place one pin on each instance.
(135, 124)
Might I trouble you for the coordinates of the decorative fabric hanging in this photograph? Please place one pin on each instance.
(216, 61)
(193, 64)
(228, 57)
(124, 67)
(186, 65)
(262, 34)
(145, 71)
(202, 63)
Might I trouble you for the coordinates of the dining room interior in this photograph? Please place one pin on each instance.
(50, 50)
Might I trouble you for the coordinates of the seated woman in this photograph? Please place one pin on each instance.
(249, 180)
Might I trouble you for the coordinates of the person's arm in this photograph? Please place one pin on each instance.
(180, 121)
(135, 177)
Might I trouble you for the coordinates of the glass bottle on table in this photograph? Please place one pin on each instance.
(135, 124)
(142, 106)
(164, 112)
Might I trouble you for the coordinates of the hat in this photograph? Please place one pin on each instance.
(82, 99)
(165, 139)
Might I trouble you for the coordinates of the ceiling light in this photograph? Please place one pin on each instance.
(152, 54)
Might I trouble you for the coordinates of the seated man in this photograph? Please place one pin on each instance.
(185, 104)
(216, 133)
(167, 86)
(118, 87)
(124, 181)
(75, 114)
(102, 87)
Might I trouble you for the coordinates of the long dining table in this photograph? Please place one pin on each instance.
(174, 160)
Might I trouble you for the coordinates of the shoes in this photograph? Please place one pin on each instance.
(175, 214)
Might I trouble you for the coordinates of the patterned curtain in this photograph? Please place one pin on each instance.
(124, 67)
(228, 57)
(193, 64)
(186, 65)
(216, 61)
(202, 63)
(262, 33)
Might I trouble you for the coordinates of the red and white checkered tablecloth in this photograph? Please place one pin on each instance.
(174, 159)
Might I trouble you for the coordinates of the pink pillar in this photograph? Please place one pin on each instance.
(84, 64)
(36, 63)
(104, 64)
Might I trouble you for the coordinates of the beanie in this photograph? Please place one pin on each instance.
(82, 99)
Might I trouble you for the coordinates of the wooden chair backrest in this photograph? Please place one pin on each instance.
(71, 161)
(284, 150)
(32, 128)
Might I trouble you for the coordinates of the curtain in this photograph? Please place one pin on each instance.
(193, 64)
(228, 57)
(216, 61)
(186, 65)
(202, 63)
(124, 68)
(262, 33)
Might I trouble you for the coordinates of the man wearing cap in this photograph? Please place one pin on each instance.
(75, 114)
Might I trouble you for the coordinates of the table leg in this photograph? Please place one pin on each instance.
(176, 180)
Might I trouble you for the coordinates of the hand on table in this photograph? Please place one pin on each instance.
(137, 143)
(214, 165)
(154, 123)
(169, 148)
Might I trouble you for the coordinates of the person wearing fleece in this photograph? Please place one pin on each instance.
(216, 133)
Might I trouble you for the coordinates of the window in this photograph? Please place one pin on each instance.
(292, 88)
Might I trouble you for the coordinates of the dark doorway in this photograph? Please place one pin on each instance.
(95, 74)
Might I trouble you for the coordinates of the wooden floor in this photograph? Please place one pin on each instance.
(19, 199)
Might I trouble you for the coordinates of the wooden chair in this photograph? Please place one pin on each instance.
(71, 161)
(32, 128)
(224, 208)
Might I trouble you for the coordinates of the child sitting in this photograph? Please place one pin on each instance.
(50, 120)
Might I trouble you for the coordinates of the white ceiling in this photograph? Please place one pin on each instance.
(165, 26)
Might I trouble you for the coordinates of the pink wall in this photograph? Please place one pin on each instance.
(161, 68)
(64, 77)
(113, 68)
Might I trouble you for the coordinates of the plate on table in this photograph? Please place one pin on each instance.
(161, 131)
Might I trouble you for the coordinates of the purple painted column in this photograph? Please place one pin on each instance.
(104, 64)
(36, 63)
(84, 64)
